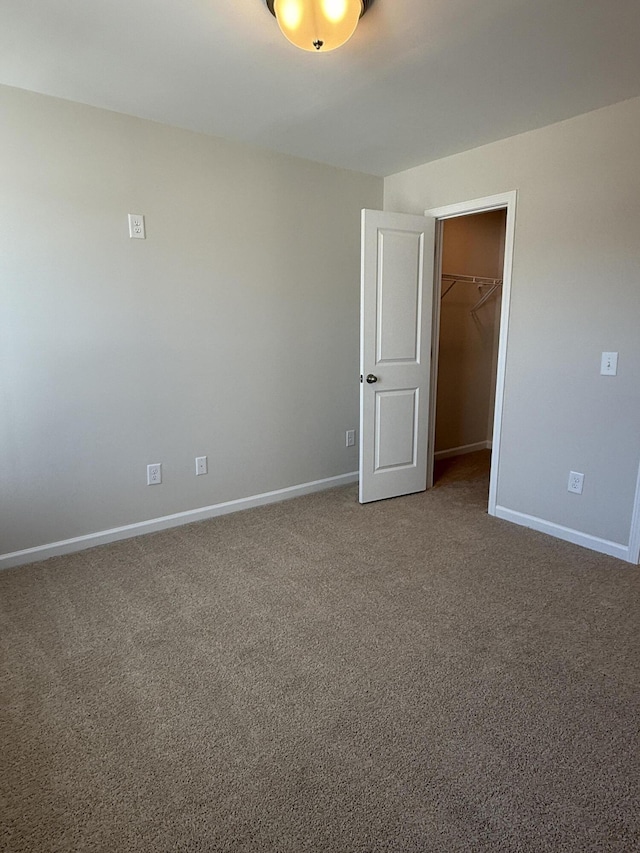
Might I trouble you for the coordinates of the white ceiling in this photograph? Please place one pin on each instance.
(419, 80)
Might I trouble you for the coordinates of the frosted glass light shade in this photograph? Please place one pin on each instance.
(318, 25)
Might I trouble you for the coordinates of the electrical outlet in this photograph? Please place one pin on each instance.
(201, 465)
(154, 474)
(575, 482)
(136, 226)
(350, 438)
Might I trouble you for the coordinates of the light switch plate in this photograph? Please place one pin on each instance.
(609, 364)
(136, 226)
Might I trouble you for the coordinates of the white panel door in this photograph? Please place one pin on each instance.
(396, 308)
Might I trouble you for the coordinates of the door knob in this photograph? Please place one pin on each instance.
(371, 378)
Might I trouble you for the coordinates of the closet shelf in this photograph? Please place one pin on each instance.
(481, 281)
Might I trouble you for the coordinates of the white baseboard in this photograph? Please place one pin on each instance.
(127, 531)
(594, 543)
(464, 448)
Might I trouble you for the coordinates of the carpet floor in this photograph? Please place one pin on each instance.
(411, 675)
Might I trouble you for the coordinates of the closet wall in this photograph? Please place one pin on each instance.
(467, 361)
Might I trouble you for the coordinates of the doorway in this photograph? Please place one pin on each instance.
(505, 205)
(469, 291)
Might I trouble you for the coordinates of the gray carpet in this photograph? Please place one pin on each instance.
(412, 675)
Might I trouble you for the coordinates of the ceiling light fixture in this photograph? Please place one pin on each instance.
(318, 25)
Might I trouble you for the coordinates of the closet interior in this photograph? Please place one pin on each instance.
(470, 298)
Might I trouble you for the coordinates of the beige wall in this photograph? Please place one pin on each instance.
(576, 293)
(472, 245)
(232, 331)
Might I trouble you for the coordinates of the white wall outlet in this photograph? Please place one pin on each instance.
(350, 438)
(201, 465)
(575, 482)
(136, 226)
(154, 474)
(609, 364)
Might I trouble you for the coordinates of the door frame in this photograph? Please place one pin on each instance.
(634, 534)
(503, 201)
